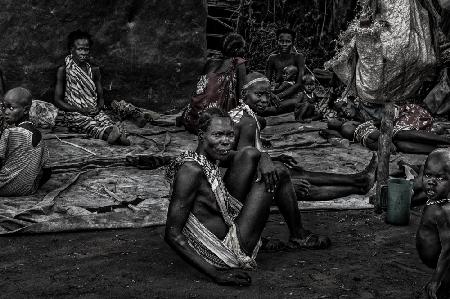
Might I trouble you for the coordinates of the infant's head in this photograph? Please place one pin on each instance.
(309, 83)
(436, 175)
(289, 73)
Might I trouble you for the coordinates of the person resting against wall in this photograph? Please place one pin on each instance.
(412, 131)
(79, 94)
(23, 153)
(433, 234)
(308, 185)
(214, 222)
(220, 84)
(275, 65)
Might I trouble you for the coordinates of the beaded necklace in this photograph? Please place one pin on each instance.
(25, 122)
(437, 202)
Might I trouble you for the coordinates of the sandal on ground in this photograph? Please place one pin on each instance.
(272, 245)
(311, 241)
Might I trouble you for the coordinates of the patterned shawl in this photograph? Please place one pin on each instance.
(80, 91)
(204, 242)
(236, 115)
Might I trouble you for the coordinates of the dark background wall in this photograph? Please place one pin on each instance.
(150, 51)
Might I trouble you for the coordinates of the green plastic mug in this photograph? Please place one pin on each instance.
(399, 201)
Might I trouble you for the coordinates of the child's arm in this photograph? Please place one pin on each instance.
(282, 87)
(443, 264)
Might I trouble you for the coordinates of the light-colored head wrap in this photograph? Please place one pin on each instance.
(254, 78)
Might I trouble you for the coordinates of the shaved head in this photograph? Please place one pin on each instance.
(291, 68)
(441, 154)
(19, 95)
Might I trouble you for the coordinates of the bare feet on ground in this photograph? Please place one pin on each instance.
(114, 135)
(123, 140)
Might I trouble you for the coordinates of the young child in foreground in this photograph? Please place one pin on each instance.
(23, 154)
(307, 109)
(433, 235)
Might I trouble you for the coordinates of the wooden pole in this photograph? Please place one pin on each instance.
(384, 151)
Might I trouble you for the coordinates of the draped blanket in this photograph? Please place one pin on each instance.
(221, 254)
(80, 87)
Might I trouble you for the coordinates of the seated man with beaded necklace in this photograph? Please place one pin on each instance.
(215, 223)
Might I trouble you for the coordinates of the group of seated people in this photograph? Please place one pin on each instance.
(215, 222)
(80, 106)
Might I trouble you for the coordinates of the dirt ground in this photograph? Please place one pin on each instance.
(368, 259)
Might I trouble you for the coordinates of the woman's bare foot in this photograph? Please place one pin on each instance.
(114, 135)
(368, 175)
(123, 140)
(309, 241)
(366, 178)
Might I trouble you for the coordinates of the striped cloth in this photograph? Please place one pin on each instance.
(81, 91)
(21, 163)
(93, 126)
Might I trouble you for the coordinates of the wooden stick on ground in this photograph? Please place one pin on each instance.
(76, 145)
(384, 151)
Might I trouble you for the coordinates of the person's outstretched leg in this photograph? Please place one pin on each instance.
(286, 200)
(422, 137)
(360, 180)
(257, 201)
(327, 134)
(286, 106)
(414, 147)
(324, 193)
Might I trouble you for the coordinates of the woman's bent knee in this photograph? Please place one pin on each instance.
(282, 171)
(250, 153)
